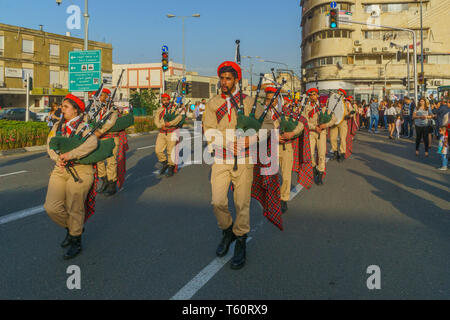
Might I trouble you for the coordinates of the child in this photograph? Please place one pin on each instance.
(398, 126)
(443, 147)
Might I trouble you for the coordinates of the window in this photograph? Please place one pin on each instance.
(2, 43)
(28, 46)
(54, 77)
(54, 50)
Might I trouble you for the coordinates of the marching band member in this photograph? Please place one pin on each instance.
(352, 124)
(107, 175)
(164, 140)
(65, 200)
(317, 133)
(341, 130)
(285, 150)
(221, 114)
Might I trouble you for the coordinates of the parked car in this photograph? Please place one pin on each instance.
(18, 114)
(41, 115)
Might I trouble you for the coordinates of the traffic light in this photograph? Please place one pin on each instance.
(399, 55)
(333, 18)
(420, 78)
(404, 82)
(31, 84)
(165, 61)
(183, 88)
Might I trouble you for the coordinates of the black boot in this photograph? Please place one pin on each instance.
(284, 206)
(170, 171)
(319, 179)
(316, 175)
(341, 157)
(74, 249)
(164, 167)
(102, 184)
(66, 241)
(227, 238)
(238, 260)
(111, 188)
(335, 156)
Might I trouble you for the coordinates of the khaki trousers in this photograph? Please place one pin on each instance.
(221, 176)
(65, 198)
(286, 159)
(163, 142)
(110, 171)
(340, 129)
(321, 142)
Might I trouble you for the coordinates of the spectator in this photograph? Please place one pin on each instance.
(382, 115)
(407, 110)
(197, 111)
(390, 114)
(374, 115)
(54, 115)
(431, 123)
(441, 111)
(398, 125)
(443, 146)
(201, 108)
(421, 118)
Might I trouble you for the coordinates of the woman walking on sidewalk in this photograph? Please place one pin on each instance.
(390, 114)
(421, 118)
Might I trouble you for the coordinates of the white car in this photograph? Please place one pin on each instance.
(42, 114)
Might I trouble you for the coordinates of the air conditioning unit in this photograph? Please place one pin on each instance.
(57, 86)
(385, 49)
(357, 43)
(357, 50)
(374, 49)
(2, 84)
(426, 49)
(437, 82)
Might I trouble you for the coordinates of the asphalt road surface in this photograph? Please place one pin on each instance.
(156, 238)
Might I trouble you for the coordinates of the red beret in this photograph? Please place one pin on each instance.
(165, 95)
(107, 91)
(233, 65)
(312, 90)
(270, 90)
(343, 91)
(349, 98)
(77, 100)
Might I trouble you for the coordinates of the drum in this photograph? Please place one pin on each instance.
(336, 105)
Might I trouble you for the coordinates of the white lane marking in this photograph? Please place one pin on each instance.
(21, 214)
(145, 147)
(10, 174)
(191, 288)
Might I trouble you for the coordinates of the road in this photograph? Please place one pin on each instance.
(156, 238)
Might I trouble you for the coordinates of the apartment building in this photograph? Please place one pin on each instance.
(44, 56)
(363, 59)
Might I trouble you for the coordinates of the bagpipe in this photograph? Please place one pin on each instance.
(174, 109)
(249, 122)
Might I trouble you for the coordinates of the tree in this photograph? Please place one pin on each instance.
(144, 99)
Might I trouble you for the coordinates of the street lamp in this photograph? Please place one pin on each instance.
(251, 71)
(421, 51)
(196, 15)
(385, 66)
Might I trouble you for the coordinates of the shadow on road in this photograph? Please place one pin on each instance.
(21, 159)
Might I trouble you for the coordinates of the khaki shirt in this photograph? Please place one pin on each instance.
(83, 150)
(209, 118)
(109, 123)
(313, 121)
(159, 123)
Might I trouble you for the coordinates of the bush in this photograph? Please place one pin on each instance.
(20, 134)
(143, 124)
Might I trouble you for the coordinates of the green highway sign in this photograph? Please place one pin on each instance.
(85, 70)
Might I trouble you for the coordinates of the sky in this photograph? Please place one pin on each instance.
(137, 29)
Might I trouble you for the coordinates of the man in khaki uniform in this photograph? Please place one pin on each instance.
(221, 114)
(317, 133)
(341, 130)
(164, 139)
(65, 200)
(107, 174)
(285, 150)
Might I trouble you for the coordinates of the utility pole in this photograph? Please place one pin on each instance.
(422, 87)
(86, 37)
(27, 114)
